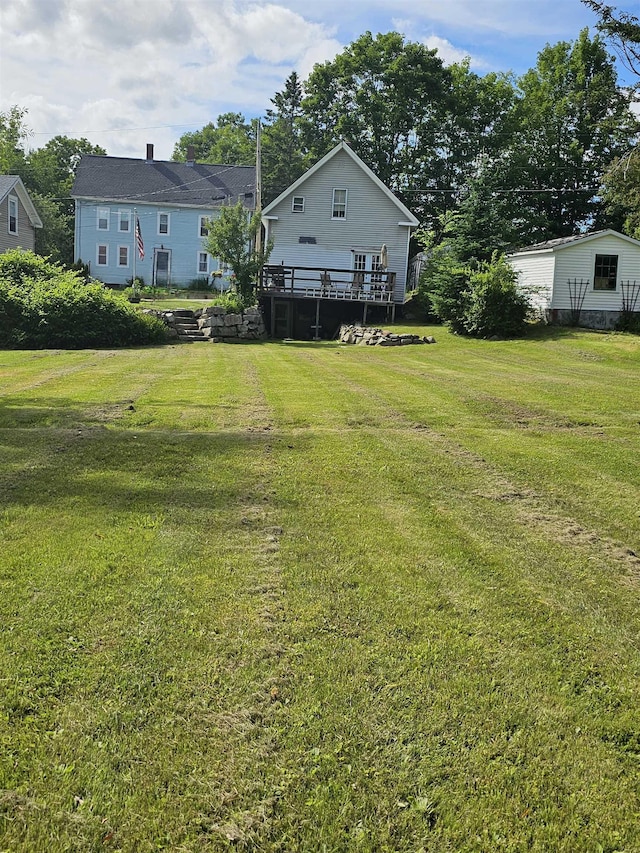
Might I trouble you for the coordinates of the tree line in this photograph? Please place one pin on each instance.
(487, 162)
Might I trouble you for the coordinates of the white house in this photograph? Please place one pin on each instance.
(587, 279)
(18, 216)
(339, 235)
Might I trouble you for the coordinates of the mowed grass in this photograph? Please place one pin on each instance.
(296, 597)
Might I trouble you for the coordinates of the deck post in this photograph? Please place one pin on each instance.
(316, 328)
(393, 313)
(364, 315)
(273, 316)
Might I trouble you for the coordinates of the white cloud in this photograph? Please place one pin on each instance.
(100, 70)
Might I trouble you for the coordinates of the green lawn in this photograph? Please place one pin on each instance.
(311, 597)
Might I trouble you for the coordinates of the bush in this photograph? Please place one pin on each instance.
(494, 305)
(42, 305)
(232, 301)
(482, 301)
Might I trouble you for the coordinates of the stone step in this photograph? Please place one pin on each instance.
(183, 312)
(192, 336)
(186, 326)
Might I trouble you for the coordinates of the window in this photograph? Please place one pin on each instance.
(123, 256)
(359, 262)
(103, 219)
(163, 223)
(297, 205)
(103, 256)
(203, 263)
(339, 204)
(124, 221)
(203, 231)
(13, 215)
(606, 272)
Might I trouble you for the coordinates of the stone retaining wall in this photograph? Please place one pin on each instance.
(215, 323)
(379, 337)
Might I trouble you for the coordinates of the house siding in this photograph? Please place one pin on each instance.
(183, 241)
(371, 220)
(535, 278)
(578, 262)
(26, 236)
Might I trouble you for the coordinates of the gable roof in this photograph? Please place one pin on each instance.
(163, 182)
(13, 183)
(409, 218)
(562, 242)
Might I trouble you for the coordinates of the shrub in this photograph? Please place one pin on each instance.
(201, 284)
(42, 305)
(481, 301)
(494, 305)
(232, 301)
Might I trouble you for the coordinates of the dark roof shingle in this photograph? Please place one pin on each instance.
(163, 182)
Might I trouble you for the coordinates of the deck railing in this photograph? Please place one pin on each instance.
(328, 283)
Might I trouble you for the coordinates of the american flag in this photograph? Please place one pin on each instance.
(139, 240)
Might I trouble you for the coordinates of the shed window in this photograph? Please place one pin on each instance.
(606, 272)
(339, 204)
(13, 215)
(297, 205)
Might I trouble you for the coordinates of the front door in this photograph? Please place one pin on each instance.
(161, 267)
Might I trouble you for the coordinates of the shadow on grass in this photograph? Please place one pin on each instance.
(79, 461)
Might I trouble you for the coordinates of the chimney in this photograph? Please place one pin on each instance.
(149, 152)
(191, 155)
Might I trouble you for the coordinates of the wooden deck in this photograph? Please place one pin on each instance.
(326, 283)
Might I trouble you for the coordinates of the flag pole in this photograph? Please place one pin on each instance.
(134, 231)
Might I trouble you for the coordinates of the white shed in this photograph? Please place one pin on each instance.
(587, 279)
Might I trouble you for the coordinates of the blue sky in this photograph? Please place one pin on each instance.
(123, 73)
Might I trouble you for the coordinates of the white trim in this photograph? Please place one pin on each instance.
(18, 188)
(124, 216)
(198, 270)
(104, 246)
(299, 209)
(13, 200)
(100, 210)
(159, 215)
(127, 250)
(339, 204)
(342, 146)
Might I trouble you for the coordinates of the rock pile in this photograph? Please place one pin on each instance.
(214, 323)
(379, 337)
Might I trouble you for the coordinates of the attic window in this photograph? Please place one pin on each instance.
(311, 240)
(339, 210)
(13, 215)
(297, 205)
(606, 272)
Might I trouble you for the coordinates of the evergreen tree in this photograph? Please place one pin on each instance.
(282, 154)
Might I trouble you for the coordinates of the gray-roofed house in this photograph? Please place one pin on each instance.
(18, 216)
(171, 201)
(586, 279)
(340, 242)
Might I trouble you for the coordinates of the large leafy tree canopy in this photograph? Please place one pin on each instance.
(229, 140)
(622, 29)
(574, 120)
(48, 174)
